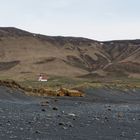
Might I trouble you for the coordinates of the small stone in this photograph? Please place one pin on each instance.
(69, 124)
(55, 100)
(63, 112)
(109, 109)
(44, 103)
(72, 114)
(97, 118)
(120, 114)
(55, 108)
(134, 119)
(122, 134)
(65, 128)
(106, 119)
(12, 137)
(29, 122)
(8, 124)
(43, 110)
(37, 132)
(21, 128)
(61, 123)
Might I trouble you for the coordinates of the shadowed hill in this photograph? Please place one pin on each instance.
(26, 54)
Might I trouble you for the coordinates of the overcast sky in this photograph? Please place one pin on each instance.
(96, 19)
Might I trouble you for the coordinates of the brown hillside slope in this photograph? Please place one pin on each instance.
(25, 54)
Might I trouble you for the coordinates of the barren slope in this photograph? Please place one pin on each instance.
(24, 54)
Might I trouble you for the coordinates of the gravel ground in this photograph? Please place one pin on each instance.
(94, 117)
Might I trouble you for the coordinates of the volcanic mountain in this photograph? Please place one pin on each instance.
(25, 55)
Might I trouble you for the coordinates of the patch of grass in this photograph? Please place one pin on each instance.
(121, 84)
(56, 82)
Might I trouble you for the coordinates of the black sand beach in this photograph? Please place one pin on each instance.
(103, 114)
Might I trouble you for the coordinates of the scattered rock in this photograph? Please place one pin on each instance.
(21, 128)
(122, 134)
(55, 108)
(120, 114)
(8, 124)
(65, 128)
(97, 118)
(71, 114)
(29, 122)
(66, 125)
(134, 119)
(44, 103)
(109, 109)
(55, 100)
(63, 112)
(69, 124)
(106, 118)
(13, 137)
(37, 132)
(43, 110)
(61, 123)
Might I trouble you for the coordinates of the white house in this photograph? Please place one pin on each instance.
(42, 78)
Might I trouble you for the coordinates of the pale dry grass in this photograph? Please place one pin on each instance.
(42, 91)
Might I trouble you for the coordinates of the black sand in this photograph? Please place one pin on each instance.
(104, 114)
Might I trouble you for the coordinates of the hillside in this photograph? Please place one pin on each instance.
(25, 55)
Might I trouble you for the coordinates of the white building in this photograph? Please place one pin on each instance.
(42, 78)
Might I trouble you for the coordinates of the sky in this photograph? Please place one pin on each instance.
(96, 19)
